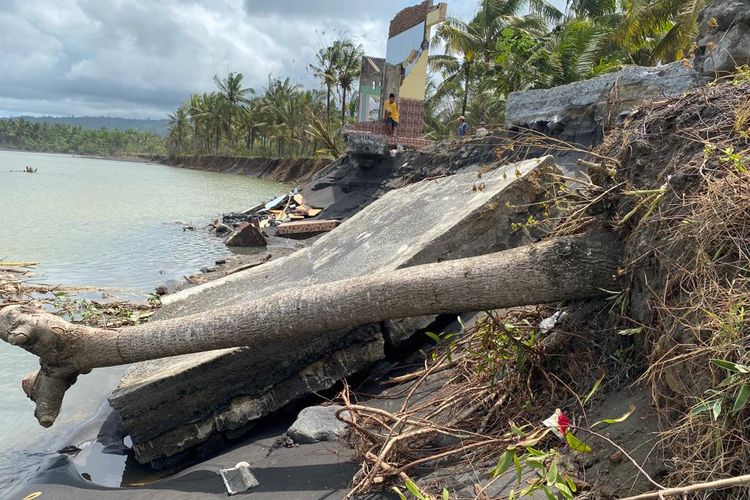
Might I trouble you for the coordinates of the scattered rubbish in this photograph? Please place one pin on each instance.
(239, 478)
(246, 235)
(307, 227)
(26, 170)
(558, 423)
(276, 202)
(549, 323)
(282, 209)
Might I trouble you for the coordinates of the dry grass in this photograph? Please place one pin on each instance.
(690, 271)
(458, 408)
(674, 182)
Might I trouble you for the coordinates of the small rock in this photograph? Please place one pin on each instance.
(239, 478)
(317, 423)
(220, 262)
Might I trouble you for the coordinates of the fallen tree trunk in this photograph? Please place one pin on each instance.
(566, 268)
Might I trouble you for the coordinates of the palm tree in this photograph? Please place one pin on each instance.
(347, 71)
(326, 69)
(179, 129)
(470, 45)
(235, 98)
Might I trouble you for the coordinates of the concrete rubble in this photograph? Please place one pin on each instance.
(579, 112)
(317, 423)
(247, 234)
(175, 407)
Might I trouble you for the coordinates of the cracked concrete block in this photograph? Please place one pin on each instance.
(174, 405)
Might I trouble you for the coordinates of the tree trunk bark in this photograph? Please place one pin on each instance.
(467, 78)
(559, 269)
(343, 107)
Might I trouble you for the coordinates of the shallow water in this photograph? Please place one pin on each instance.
(106, 224)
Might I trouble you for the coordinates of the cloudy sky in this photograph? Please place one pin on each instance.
(140, 58)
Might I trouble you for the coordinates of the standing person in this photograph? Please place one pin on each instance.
(463, 127)
(391, 114)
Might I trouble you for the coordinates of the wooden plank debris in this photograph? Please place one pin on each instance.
(307, 226)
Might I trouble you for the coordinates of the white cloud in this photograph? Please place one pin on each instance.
(141, 58)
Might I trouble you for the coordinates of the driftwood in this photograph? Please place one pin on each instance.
(565, 268)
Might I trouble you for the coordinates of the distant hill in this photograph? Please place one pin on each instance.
(159, 127)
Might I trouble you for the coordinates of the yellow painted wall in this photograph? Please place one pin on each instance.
(413, 86)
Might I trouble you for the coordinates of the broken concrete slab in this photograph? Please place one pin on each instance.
(579, 112)
(247, 235)
(173, 405)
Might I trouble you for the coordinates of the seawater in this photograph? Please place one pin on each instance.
(102, 223)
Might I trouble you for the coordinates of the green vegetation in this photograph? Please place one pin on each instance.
(501, 51)
(158, 127)
(60, 138)
(286, 120)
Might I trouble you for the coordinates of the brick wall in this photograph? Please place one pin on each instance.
(409, 17)
(412, 117)
(411, 114)
(393, 140)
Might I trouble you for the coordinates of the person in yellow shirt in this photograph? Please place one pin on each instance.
(391, 114)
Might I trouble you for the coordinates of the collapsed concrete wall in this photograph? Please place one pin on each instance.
(172, 406)
(579, 112)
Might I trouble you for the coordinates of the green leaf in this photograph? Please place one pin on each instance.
(596, 387)
(535, 462)
(576, 444)
(512, 495)
(519, 468)
(701, 408)
(551, 476)
(616, 420)
(571, 484)
(516, 431)
(446, 494)
(563, 488)
(503, 463)
(434, 336)
(741, 399)
(735, 367)
(731, 380)
(414, 489)
(548, 492)
(716, 409)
